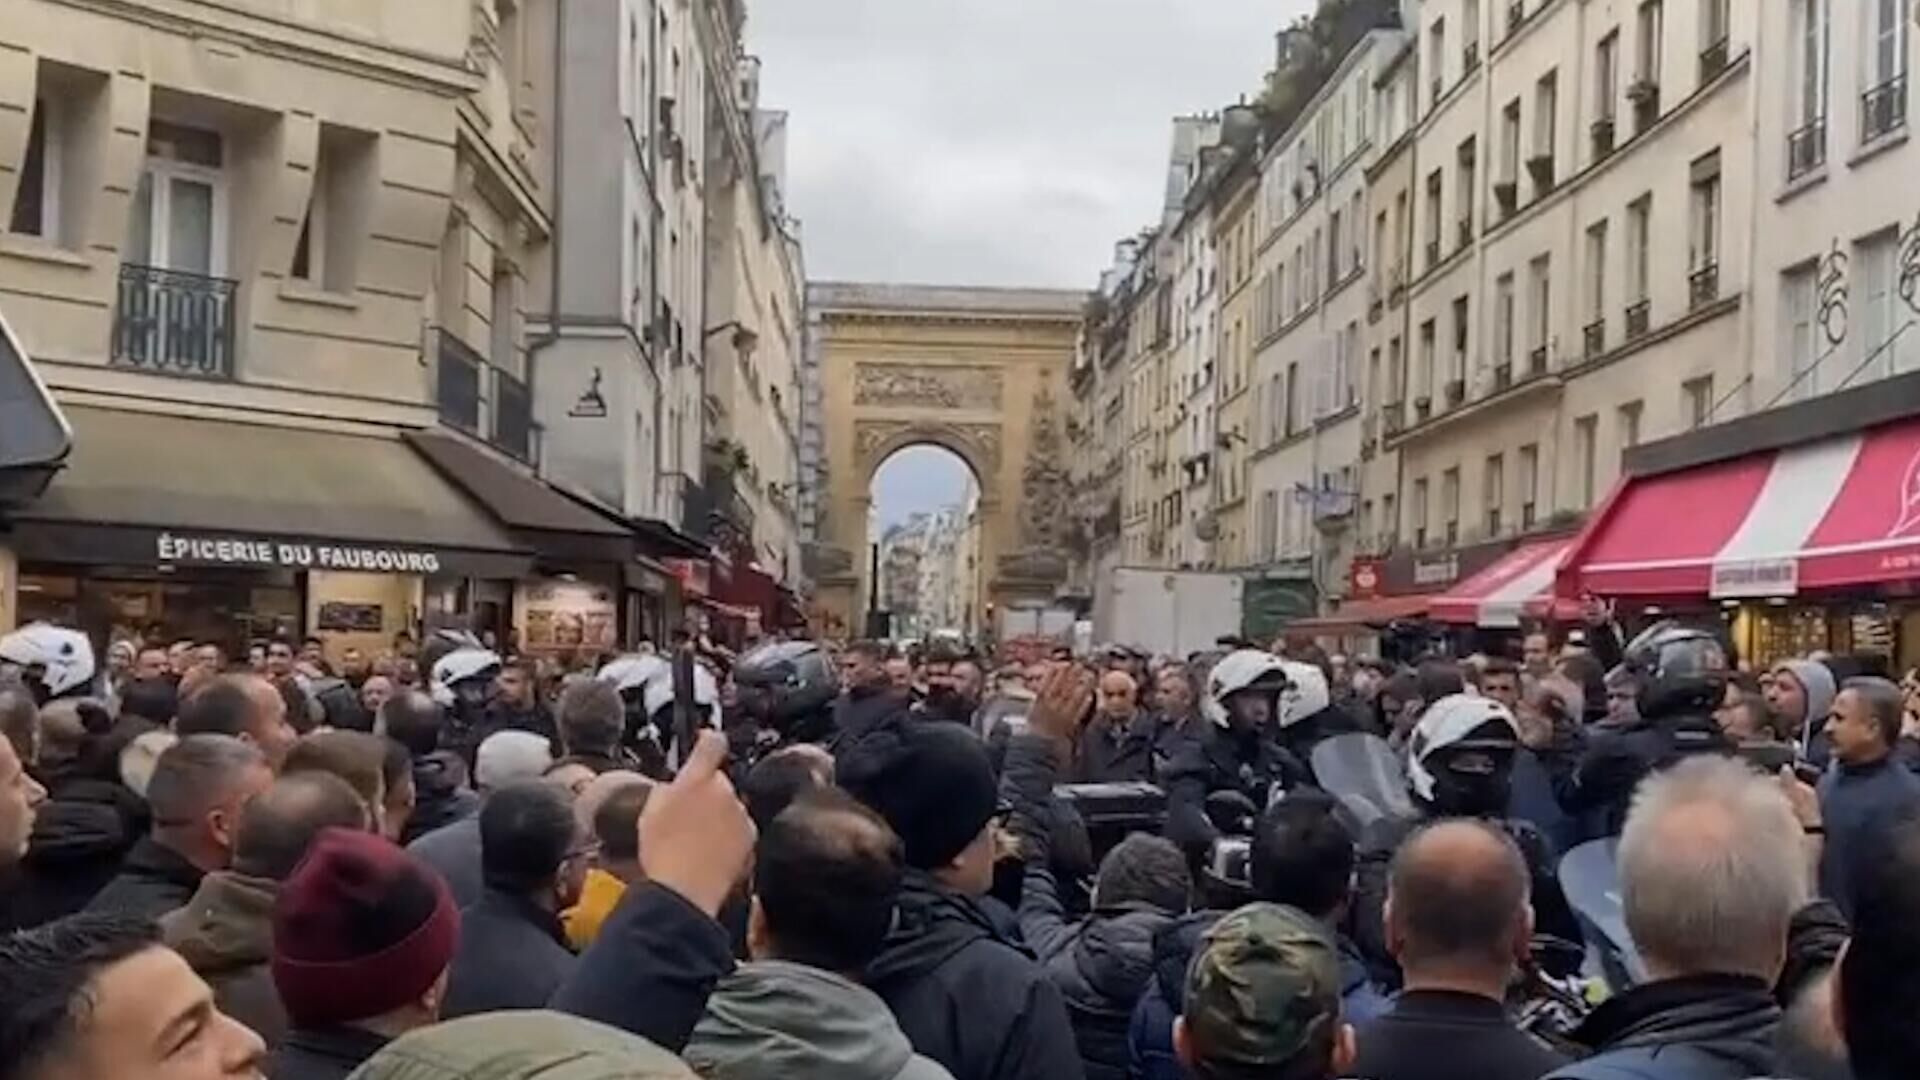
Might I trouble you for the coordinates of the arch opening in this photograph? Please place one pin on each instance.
(924, 531)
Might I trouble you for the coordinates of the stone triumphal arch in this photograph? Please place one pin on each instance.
(980, 372)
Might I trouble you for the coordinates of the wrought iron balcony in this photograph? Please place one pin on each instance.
(1713, 60)
(1645, 95)
(1807, 149)
(1433, 253)
(459, 382)
(1393, 418)
(1464, 231)
(1703, 285)
(512, 416)
(1639, 319)
(1602, 137)
(1594, 338)
(1537, 362)
(1516, 15)
(1883, 109)
(174, 323)
(1502, 377)
(1507, 194)
(1470, 57)
(1456, 392)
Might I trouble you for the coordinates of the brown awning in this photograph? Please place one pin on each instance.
(146, 489)
(549, 522)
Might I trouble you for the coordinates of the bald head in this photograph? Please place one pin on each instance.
(1119, 695)
(277, 827)
(1458, 902)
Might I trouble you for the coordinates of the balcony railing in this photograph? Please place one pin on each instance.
(1507, 194)
(1713, 60)
(1644, 93)
(1807, 149)
(512, 416)
(1470, 57)
(174, 323)
(1464, 231)
(1502, 377)
(1456, 392)
(1602, 137)
(1703, 286)
(1393, 418)
(1883, 109)
(1433, 253)
(1516, 15)
(1537, 362)
(1639, 319)
(1594, 338)
(459, 382)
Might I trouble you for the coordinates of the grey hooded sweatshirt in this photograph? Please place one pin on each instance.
(772, 1020)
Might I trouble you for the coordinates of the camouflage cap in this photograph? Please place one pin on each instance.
(1264, 987)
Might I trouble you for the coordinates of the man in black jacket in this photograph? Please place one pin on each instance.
(869, 700)
(441, 792)
(965, 990)
(1102, 963)
(199, 788)
(1458, 921)
(533, 859)
(1706, 836)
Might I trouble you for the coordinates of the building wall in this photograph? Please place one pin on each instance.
(378, 89)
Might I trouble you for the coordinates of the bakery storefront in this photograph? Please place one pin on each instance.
(182, 527)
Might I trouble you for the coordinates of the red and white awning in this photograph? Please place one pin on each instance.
(1835, 513)
(1519, 583)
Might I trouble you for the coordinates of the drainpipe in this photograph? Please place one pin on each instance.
(552, 335)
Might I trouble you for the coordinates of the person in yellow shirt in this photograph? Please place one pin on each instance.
(615, 827)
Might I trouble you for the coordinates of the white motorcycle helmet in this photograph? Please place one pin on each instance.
(59, 659)
(658, 693)
(460, 666)
(1244, 669)
(1448, 723)
(625, 673)
(1306, 695)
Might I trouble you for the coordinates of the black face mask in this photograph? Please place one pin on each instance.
(1472, 784)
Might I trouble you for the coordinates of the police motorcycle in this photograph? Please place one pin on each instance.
(52, 661)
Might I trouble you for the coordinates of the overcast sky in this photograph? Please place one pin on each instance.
(992, 142)
(989, 142)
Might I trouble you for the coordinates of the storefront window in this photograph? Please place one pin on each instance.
(229, 609)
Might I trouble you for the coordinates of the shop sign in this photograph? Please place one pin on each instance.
(1752, 578)
(1363, 579)
(1444, 570)
(696, 575)
(214, 550)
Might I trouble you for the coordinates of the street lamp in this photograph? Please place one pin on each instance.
(744, 339)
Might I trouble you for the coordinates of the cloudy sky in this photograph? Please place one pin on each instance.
(989, 142)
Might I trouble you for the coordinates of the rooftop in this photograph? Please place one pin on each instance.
(972, 300)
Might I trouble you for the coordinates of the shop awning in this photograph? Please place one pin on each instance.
(144, 489)
(552, 524)
(1520, 584)
(1362, 615)
(1839, 512)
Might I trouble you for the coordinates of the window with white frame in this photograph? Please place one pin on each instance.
(1697, 395)
(1647, 31)
(1450, 503)
(1800, 332)
(1883, 101)
(1417, 513)
(1639, 247)
(1457, 360)
(179, 218)
(1495, 492)
(1503, 307)
(1586, 451)
(1529, 467)
(1606, 76)
(1540, 302)
(1596, 271)
(1885, 340)
(1810, 22)
(1703, 228)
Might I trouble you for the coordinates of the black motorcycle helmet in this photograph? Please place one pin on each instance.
(785, 683)
(1682, 670)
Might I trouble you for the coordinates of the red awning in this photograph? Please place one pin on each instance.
(1362, 614)
(1835, 513)
(1520, 583)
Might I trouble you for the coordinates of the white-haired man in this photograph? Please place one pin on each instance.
(1710, 882)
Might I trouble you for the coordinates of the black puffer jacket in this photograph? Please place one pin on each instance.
(1150, 1034)
(968, 993)
(1703, 1027)
(1102, 963)
(856, 714)
(80, 837)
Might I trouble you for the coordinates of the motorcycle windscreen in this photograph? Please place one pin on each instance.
(1363, 773)
(1590, 876)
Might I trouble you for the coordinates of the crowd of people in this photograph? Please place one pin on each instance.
(857, 862)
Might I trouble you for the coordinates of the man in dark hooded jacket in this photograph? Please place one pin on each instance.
(964, 988)
(89, 822)
(870, 699)
(1102, 963)
(441, 792)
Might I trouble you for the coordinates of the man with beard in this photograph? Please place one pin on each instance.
(954, 683)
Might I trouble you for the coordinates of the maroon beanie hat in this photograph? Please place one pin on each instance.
(360, 929)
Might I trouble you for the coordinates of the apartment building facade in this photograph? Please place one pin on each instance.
(1312, 310)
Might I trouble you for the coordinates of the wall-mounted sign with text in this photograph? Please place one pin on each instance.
(217, 550)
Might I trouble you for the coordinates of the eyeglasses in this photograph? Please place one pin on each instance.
(584, 851)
